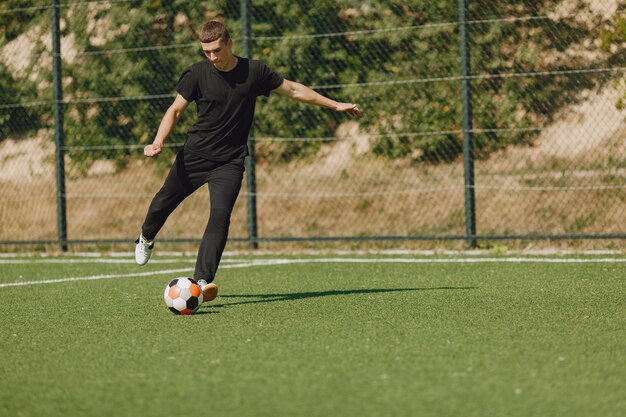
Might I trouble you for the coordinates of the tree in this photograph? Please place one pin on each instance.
(398, 59)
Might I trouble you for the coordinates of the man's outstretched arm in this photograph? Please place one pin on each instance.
(304, 94)
(171, 116)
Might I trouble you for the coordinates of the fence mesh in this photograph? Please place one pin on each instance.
(547, 84)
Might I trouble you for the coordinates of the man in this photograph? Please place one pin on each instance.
(225, 88)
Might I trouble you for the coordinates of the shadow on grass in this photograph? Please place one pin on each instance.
(271, 298)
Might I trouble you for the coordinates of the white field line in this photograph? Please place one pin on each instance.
(83, 261)
(279, 261)
(94, 277)
(108, 276)
(100, 261)
(268, 262)
(232, 255)
(285, 261)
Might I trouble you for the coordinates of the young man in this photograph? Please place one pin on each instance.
(225, 88)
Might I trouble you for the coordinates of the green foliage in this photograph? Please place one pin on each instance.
(128, 59)
(17, 88)
(613, 39)
(16, 17)
(399, 60)
(16, 119)
(616, 33)
(408, 78)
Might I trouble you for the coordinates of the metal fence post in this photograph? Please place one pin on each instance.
(468, 151)
(57, 89)
(250, 160)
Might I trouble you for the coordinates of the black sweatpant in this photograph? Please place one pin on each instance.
(187, 174)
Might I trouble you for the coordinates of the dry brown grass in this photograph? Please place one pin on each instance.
(400, 199)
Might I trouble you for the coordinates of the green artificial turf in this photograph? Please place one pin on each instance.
(317, 339)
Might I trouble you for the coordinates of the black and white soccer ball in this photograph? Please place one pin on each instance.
(183, 296)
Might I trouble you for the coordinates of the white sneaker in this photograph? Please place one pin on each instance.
(209, 290)
(143, 250)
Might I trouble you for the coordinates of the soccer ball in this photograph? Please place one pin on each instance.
(183, 296)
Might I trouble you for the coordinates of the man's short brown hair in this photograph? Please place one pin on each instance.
(212, 31)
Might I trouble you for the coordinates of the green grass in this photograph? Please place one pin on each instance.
(318, 339)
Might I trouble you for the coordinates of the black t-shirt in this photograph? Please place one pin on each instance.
(225, 103)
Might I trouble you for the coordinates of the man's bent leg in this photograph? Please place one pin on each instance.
(224, 185)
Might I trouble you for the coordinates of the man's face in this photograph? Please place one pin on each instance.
(219, 53)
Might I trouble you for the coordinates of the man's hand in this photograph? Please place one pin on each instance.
(153, 149)
(350, 108)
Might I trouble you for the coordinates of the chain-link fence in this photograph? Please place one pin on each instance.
(524, 138)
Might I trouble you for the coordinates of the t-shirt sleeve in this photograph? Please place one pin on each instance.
(268, 80)
(188, 85)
